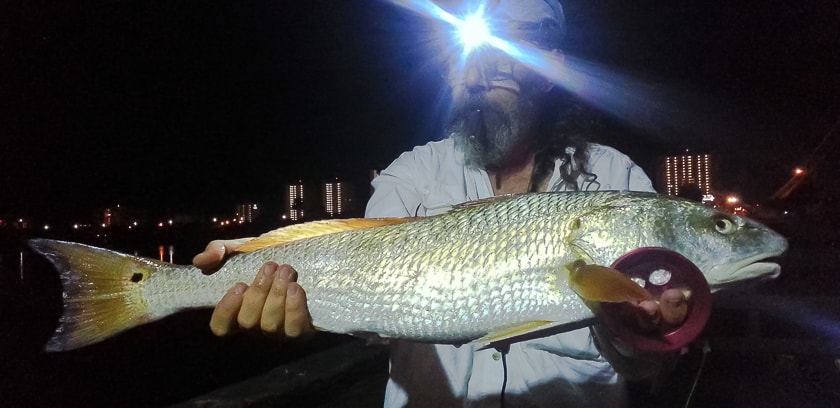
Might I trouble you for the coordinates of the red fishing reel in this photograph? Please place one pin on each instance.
(657, 270)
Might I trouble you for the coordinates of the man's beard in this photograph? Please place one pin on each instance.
(486, 132)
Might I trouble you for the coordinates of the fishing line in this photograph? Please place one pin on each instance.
(706, 350)
(504, 351)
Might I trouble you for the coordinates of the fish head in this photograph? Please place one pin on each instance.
(727, 248)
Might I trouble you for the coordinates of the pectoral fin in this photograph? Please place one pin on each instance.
(601, 284)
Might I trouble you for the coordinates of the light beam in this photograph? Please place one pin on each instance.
(644, 105)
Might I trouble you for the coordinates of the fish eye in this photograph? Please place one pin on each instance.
(725, 225)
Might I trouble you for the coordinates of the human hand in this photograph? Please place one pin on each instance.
(274, 304)
(216, 253)
(653, 317)
(661, 314)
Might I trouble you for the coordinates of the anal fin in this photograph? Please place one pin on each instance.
(527, 331)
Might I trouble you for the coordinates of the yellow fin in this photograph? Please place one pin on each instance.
(527, 331)
(102, 292)
(315, 228)
(601, 284)
(513, 331)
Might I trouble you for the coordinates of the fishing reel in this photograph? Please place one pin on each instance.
(657, 270)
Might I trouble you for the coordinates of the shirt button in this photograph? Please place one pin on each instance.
(497, 356)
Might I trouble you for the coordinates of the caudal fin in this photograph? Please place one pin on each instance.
(101, 292)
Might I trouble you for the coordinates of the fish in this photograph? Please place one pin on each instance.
(485, 270)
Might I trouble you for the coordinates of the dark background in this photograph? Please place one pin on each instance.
(192, 106)
(187, 106)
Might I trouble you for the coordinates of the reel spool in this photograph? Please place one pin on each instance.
(660, 269)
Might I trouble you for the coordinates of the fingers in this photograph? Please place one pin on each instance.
(648, 315)
(223, 320)
(274, 303)
(285, 313)
(273, 319)
(215, 253)
(255, 297)
(298, 320)
(673, 306)
(660, 315)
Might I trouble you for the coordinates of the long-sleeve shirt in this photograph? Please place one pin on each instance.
(565, 369)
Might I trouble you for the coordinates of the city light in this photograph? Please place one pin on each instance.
(681, 171)
(338, 200)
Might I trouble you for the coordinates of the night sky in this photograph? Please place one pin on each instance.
(180, 106)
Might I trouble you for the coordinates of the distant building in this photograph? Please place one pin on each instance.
(688, 175)
(296, 201)
(247, 212)
(114, 216)
(337, 198)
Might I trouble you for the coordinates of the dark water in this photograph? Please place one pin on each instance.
(178, 358)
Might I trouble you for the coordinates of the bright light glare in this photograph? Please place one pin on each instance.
(643, 104)
(473, 31)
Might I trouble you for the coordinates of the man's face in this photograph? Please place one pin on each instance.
(493, 107)
(494, 97)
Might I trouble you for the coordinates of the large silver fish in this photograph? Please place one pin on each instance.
(476, 272)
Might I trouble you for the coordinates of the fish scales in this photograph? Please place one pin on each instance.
(443, 278)
(457, 286)
(474, 271)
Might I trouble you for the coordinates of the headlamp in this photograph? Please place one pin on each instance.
(475, 30)
(528, 40)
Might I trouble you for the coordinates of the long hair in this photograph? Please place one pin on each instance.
(562, 132)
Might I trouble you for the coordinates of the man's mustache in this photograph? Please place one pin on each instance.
(475, 126)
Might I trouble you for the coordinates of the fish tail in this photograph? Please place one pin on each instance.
(101, 292)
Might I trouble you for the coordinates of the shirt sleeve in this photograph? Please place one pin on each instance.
(637, 179)
(397, 189)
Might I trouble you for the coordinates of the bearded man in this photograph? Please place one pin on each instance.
(503, 138)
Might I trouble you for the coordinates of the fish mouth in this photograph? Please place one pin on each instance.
(758, 267)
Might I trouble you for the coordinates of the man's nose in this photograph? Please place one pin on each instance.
(475, 77)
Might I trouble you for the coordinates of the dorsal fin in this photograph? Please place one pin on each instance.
(487, 200)
(314, 229)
